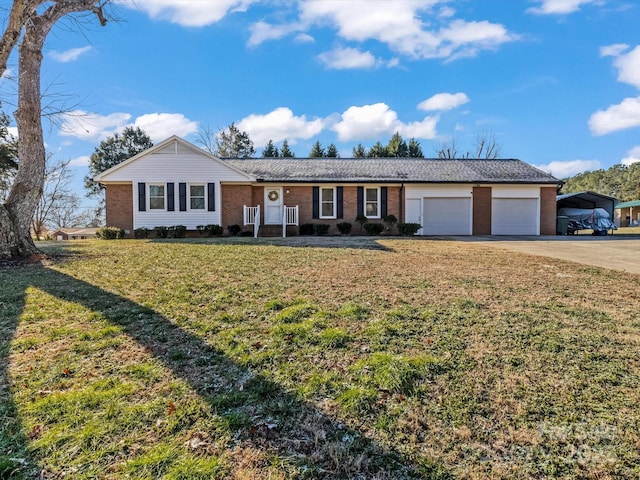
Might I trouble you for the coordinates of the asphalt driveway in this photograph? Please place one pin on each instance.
(620, 252)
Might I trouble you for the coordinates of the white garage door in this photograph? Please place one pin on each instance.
(446, 216)
(514, 216)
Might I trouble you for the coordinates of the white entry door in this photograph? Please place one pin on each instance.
(414, 212)
(272, 205)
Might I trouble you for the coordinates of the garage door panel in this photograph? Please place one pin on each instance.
(514, 216)
(446, 216)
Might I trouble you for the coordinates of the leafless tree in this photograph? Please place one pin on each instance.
(26, 28)
(486, 147)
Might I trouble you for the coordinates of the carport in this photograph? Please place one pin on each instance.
(588, 200)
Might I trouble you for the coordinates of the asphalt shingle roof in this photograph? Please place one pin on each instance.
(408, 170)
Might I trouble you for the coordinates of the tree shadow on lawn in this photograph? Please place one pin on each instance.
(281, 425)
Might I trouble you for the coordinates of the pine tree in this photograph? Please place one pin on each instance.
(359, 151)
(270, 150)
(285, 151)
(332, 151)
(415, 150)
(397, 147)
(233, 143)
(316, 151)
(377, 151)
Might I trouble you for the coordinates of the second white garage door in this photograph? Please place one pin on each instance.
(446, 216)
(515, 216)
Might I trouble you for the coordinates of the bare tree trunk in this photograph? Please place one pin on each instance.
(17, 211)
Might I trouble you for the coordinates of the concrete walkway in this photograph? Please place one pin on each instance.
(620, 252)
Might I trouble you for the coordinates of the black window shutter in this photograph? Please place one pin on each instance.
(182, 197)
(142, 197)
(316, 202)
(360, 199)
(339, 197)
(211, 194)
(170, 198)
(383, 201)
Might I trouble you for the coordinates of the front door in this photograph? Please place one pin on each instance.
(272, 205)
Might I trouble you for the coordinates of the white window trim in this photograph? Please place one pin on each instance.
(334, 202)
(164, 197)
(378, 202)
(204, 189)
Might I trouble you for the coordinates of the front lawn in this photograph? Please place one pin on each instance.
(287, 358)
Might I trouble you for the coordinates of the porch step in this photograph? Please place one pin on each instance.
(276, 231)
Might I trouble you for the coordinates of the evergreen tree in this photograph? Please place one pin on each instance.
(233, 143)
(317, 151)
(415, 150)
(377, 151)
(332, 151)
(270, 151)
(285, 151)
(359, 151)
(397, 147)
(112, 151)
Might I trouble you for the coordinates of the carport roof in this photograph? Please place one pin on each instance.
(400, 170)
(587, 200)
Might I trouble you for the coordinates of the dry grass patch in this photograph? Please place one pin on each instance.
(394, 358)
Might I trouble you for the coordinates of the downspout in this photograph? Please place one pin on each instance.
(402, 219)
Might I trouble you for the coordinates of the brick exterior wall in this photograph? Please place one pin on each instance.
(481, 210)
(234, 197)
(119, 206)
(548, 210)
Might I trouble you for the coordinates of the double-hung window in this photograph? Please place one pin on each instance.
(327, 202)
(157, 196)
(196, 197)
(372, 202)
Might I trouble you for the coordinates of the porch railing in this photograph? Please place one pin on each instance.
(289, 217)
(252, 217)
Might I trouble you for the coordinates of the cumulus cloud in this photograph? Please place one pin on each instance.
(347, 58)
(633, 156)
(628, 64)
(82, 161)
(188, 13)
(377, 120)
(93, 127)
(278, 125)
(397, 24)
(569, 168)
(559, 7)
(617, 117)
(70, 55)
(443, 101)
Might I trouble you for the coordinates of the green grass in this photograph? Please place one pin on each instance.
(349, 358)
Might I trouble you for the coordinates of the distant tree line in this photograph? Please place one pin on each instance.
(619, 181)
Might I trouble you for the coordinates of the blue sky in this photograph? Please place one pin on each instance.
(555, 81)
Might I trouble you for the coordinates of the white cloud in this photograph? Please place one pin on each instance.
(443, 101)
(397, 24)
(374, 121)
(82, 161)
(633, 156)
(560, 7)
(188, 13)
(94, 127)
(569, 168)
(263, 31)
(617, 117)
(628, 65)
(162, 125)
(278, 125)
(613, 50)
(347, 58)
(69, 55)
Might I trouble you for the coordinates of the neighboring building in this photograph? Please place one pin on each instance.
(177, 183)
(628, 214)
(74, 234)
